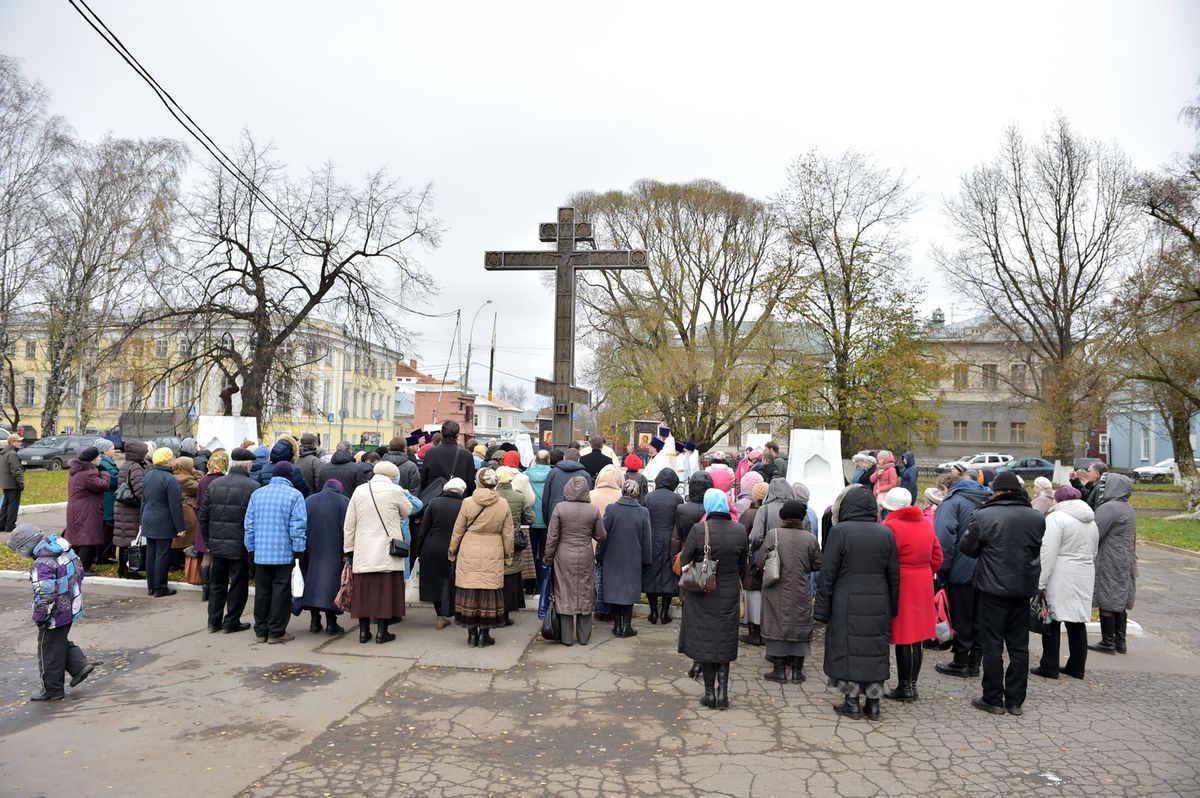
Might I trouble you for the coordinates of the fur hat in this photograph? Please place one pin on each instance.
(1041, 483)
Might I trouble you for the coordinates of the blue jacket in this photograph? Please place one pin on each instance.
(950, 524)
(162, 504)
(538, 473)
(260, 461)
(908, 476)
(281, 451)
(276, 523)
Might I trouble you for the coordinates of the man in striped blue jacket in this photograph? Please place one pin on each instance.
(276, 533)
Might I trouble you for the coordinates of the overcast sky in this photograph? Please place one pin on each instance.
(508, 108)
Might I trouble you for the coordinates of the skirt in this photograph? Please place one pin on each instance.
(514, 592)
(753, 600)
(379, 596)
(782, 648)
(474, 606)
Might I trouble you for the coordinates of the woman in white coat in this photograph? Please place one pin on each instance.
(1068, 577)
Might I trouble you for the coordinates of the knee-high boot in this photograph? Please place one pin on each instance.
(1120, 621)
(722, 686)
(1108, 626)
(709, 669)
(914, 673)
(364, 630)
(652, 600)
(903, 691)
(665, 616)
(204, 572)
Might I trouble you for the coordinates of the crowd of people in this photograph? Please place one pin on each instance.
(591, 533)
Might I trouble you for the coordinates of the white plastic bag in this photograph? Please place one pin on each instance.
(297, 581)
(412, 586)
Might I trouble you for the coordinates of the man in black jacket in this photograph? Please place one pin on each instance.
(410, 473)
(310, 461)
(447, 460)
(595, 460)
(1005, 537)
(342, 468)
(221, 518)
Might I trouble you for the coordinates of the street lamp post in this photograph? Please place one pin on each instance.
(470, 342)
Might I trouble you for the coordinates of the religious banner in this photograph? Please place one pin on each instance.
(640, 433)
(546, 433)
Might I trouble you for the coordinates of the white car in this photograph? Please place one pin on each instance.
(1159, 472)
(981, 460)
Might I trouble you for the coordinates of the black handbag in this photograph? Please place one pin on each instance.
(520, 538)
(397, 547)
(124, 493)
(1039, 614)
(551, 627)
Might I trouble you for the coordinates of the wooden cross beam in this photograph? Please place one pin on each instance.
(564, 259)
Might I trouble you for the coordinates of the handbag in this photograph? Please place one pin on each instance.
(677, 563)
(191, 571)
(412, 586)
(345, 590)
(397, 547)
(124, 493)
(770, 572)
(547, 591)
(520, 538)
(941, 607)
(1039, 614)
(135, 553)
(700, 577)
(551, 626)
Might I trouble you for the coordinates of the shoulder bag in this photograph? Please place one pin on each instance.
(1039, 614)
(397, 547)
(124, 493)
(770, 573)
(700, 577)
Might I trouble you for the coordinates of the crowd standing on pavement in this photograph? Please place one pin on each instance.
(589, 533)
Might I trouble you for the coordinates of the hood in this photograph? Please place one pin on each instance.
(857, 504)
(800, 492)
(135, 451)
(697, 484)
(331, 487)
(77, 465)
(910, 459)
(305, 451)
(282, 450)
(569, 465)
(576, 490)
(779, 491)
(609, 477)
(667, 479)
(51, 546)
(971, 488)
(538, 472)
(1117, 487)
(341, 458)
(1077, 509)
(910, 513)
(187, 446)
(483, 497)
(260, 454)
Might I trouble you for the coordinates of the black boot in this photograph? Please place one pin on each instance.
(331, 625)
(364, 630)
(723, 685)
(1121, 619)
(382, 635)
(903, 691)
(918, 659)
(314, 625)
(616, 624)
(849, 708)
(627, 629)
(797, 670)
(695, 670)
(485, 638)
(752, 637)
(1108, 626)
(710, 680)
(204, 572)
(473, 637)
(778, 671)
(665, 617)
(871, 710)
(653, 600)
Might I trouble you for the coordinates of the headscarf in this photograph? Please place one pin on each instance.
(749, 480)
(1041, 483)
(480, 451)
(933, 496)
(1066, 493)
(837, 503)
(633, 462)
(184, 465)
(218, 463)
(162, 456)
(759, 492)
(455, 485)
(23, 539)
(504, 475)
(511, 459)
(631, 489)
(801, 492)
(485, 478)
(715, 501)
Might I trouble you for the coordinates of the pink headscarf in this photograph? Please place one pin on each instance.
(749, 480)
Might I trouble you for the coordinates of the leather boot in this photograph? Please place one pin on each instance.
(314, 625)
(871, 710)
(849, 708)
(902, 692)
(1120, 619)
(722, 686)
(798, 670)
(473, 637)
(616, 624)
(665, 617)
(710, 680)
(485, 638)
(695, 670)
(653, 599)
(915, 673)
(1108, 626)
(364, 630)
(903, 669)
(752, 636)
(382, 635)
(204, 572)
(779, 670)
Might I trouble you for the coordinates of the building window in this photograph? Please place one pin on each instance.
(160, 395)
(326, 394)
(960, 430)
(1017, 432)
(185, 348)
(1017, 376)
(1145, 444)
(115, 395)
(989, 431)
(160, 348)
(31, 349)
(962, 376)
(30, 392)
(475, 421)
(329, 357)
(991, 377)
(1102, 443)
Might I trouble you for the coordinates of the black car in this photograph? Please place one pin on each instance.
(53, 451)
(1029, 468)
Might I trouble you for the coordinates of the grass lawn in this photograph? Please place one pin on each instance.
(1158, 500)
(11, 561)
(44, 487)
(1184, 534)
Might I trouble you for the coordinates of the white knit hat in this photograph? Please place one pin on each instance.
(897, 498)
(1041, 483)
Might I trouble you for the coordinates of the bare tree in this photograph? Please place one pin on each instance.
(1042, 233)
(516, 394)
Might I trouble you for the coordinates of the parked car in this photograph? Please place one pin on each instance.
(172, 442)
(1159, 472)
(53, 451)
(1029, 468)
(981, 460)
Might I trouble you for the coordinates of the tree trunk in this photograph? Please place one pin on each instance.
(1180, 429)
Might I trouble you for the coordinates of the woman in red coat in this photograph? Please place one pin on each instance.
(884, 478)
(86, 487)
(920, 557)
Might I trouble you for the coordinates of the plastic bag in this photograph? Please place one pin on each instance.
(297, 581)
(941, 606)
(547, 593)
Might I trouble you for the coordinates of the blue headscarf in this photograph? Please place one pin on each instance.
(715, 501)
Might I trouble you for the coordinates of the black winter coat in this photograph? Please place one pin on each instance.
(446, 461)
(343, 468)
(410, 473)
(162, 504)
(321, 562)
(709, 631)
(690, 512)
(594, 462)
(556, 483)
(126, 519)
(663, 503)
(859, 592)
(1005, 538)
(625, 551)
(310, 466)
(223, 513)
(280, 452)
(437, 527)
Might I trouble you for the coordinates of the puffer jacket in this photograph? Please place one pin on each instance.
(222, 513)
(482, 544)
(162, 505)
(950, 524)
(556, 484)
(310, 467)
(1069, 561)
(284, 449)
(1005, 538)
(57, 576)
(126, 519)
(537, 474)
(884, 478)
(575, 529)
(343, 468)
(373, 519)
(688, 514)
(1116, 556)
(908, 477)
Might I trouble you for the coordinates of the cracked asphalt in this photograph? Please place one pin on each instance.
(428, 716)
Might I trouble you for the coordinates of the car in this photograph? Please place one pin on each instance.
(981, 460)
(53, 451)
(1029, 468)
(1163, 471)
(172, 442)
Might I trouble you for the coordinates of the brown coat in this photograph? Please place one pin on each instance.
(570, 549)
(482, 543)
(787, 607)
(189, 483)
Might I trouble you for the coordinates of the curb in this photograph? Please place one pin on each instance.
(1167, 547)
(110, 581)
(40, 508)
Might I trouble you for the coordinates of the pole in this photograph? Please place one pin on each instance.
(492, 360)
(79, 398)
(471, 340)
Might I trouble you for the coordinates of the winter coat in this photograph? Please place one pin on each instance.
(884, 478)
(908, 476)
(723, 480)
(373, 519)
(437, 527)
(310, 466)
(85, 504)
(12, 473)
(126, 519)
(626, 550)
(594, 462)
(276, 523)
(767, 517)
(189, 485)
(261, 453)
(608, 488)
(556, 484)
(1069, 561)
(201, 529)
(769, 471)
(444, 462)
(575, 528)
(663, 504)
(709, 630)
(522, 515)
(950, 524)
(1116, 556)
(57, 577)
(1005, 538)
(920, 557)
(284, 450)
(859, 592)
(688, 514)
(1043, 502)
(162, 504)
(109, 466)
(643, 485)
(222, 513)
(482, 544)
(537, 475)
(322, 560)
(787, 607)
(342, 468)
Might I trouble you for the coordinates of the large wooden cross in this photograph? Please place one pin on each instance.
(564, 259)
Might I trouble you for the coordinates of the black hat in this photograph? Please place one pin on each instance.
(664, 432)
(655, 443)
(89, 454)
(414, 439)
(1007, 480)
(793, 509)
(240, 455)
